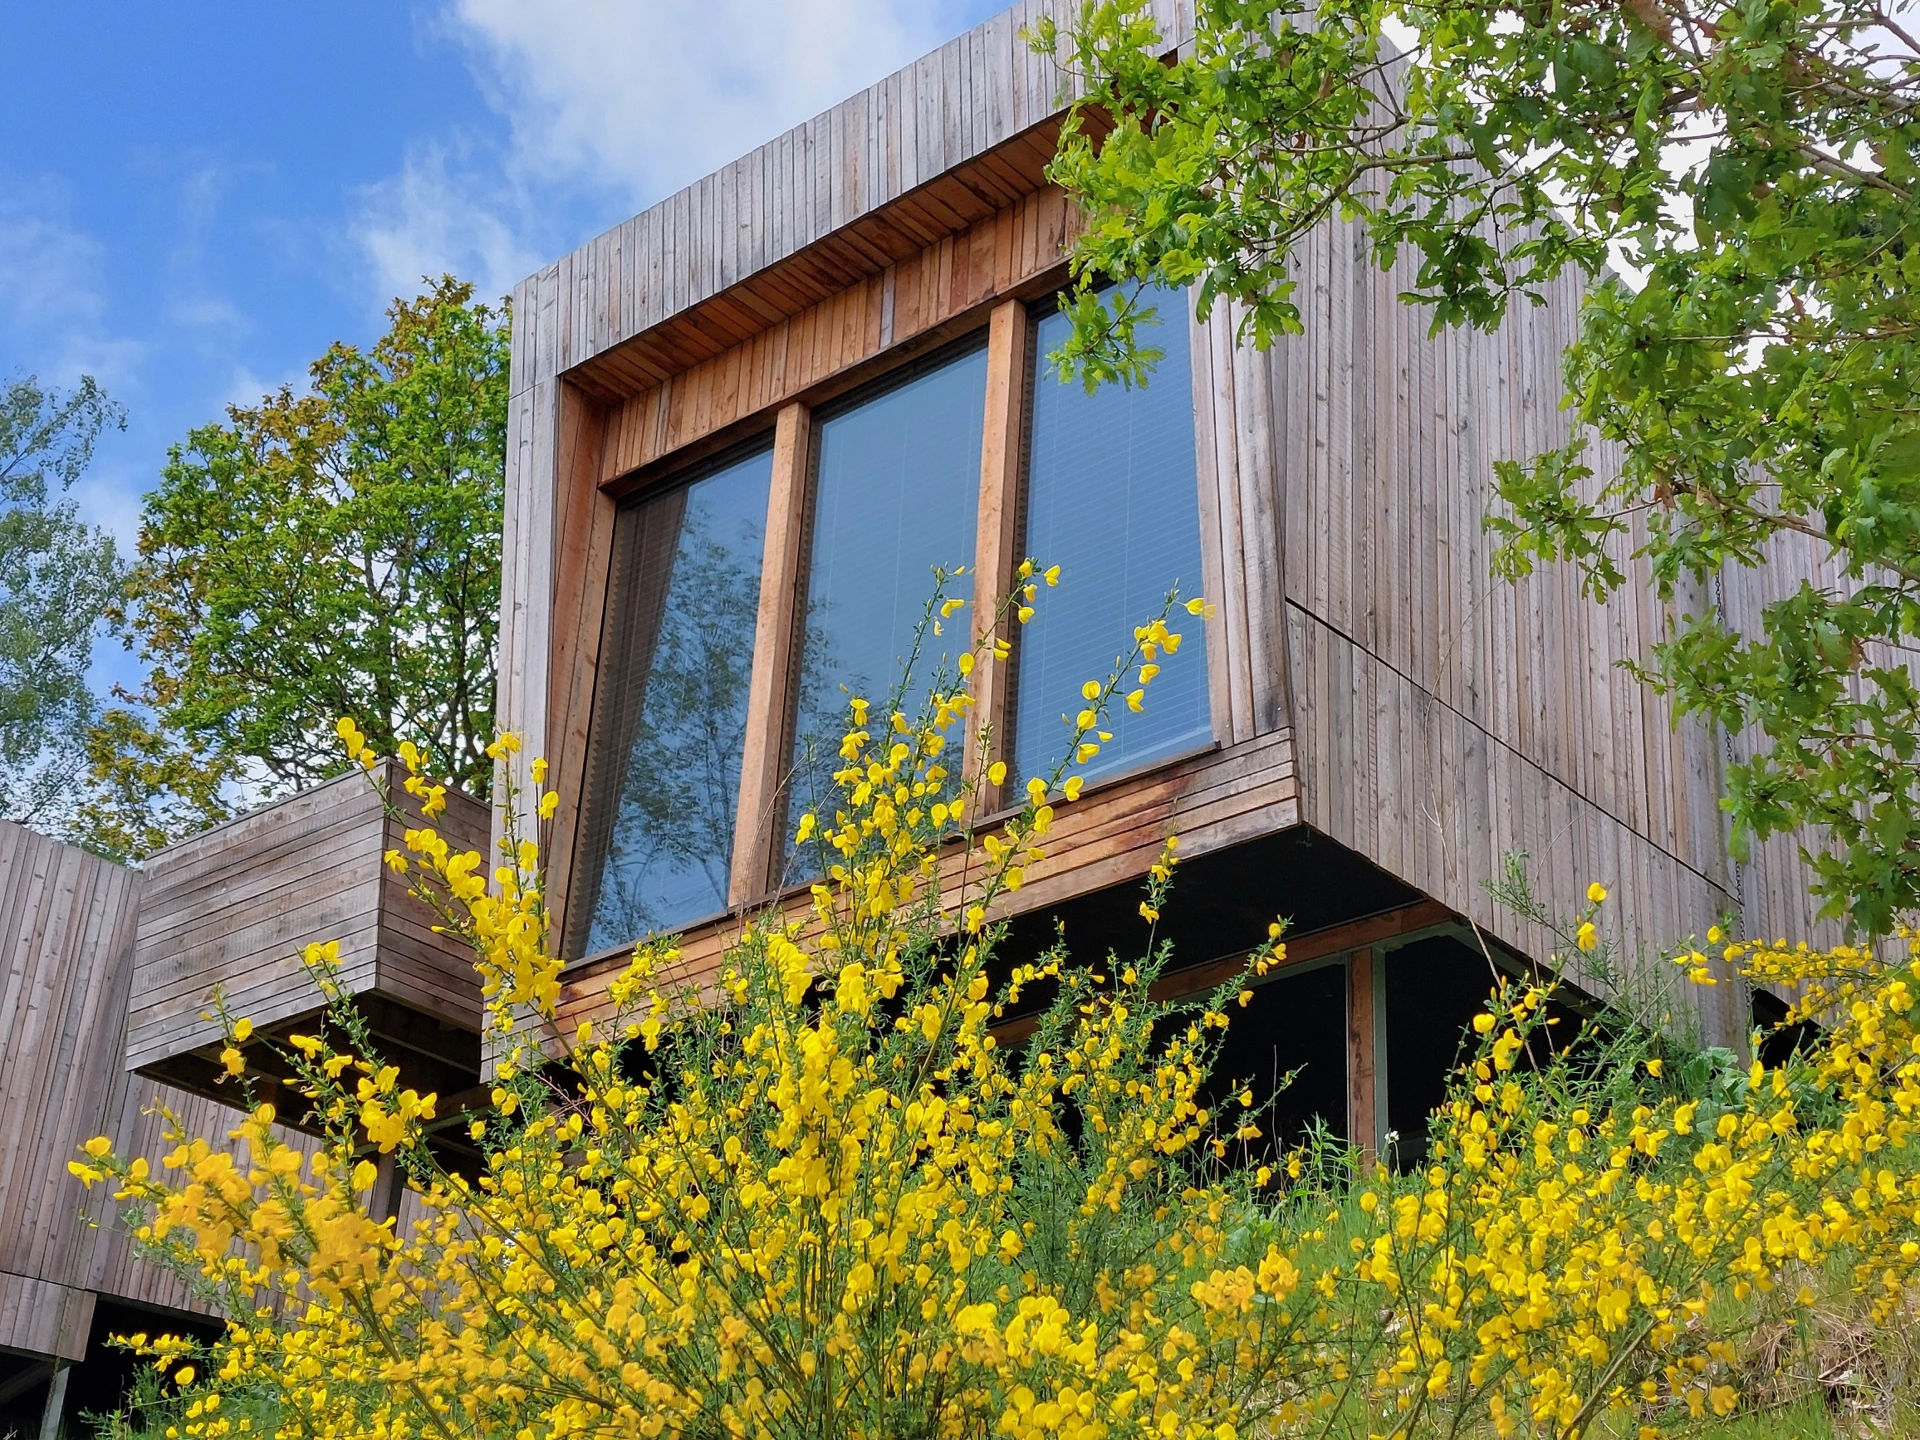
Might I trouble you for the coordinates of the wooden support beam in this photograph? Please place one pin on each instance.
(1363, 1109)
(1310, 945)
(56, 1404)
(763, 763)
(583, 550)
(1313, 945)
(389, 1184)
(996, 545)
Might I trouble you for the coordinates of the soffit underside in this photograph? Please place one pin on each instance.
(946, 206)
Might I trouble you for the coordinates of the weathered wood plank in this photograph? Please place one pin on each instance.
(1363, 1123)
(1467, 787)
(66, 941)
(235, 907)
(781, 581)
(1111, 834)
(1009, 345)
(915, 297)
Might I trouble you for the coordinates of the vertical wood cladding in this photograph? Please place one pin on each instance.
(66, 922)
(115, 1269)
(1443, 715)
(1436, 716)
(1773, 882)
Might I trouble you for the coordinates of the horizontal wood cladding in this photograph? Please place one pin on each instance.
(1435, 799)
(236, 906)
(1110, 835)
(66, 928)
(926, 152)
(1003, 252)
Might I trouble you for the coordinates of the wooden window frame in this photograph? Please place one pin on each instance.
(575, 848)
(1009, 324)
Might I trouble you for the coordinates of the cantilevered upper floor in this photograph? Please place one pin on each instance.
(747, 422)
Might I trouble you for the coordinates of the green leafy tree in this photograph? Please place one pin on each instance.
(324, 554)
(1751, 166)
(57, 577)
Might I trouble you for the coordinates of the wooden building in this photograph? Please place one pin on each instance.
(232, 909)
(746, 421)
(108, 978)
(743, 426)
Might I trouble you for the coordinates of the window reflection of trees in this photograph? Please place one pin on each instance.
(671, 839)
(828, 683)
(826, 686)
(896, 488)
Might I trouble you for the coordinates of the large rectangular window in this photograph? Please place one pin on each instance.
(1113, 500)
(663, 776)
(896, 493)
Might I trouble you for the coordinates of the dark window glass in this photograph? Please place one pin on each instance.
(1296, 1024)
(896, 495)
(1434, 989)
(1113, 500)
(663, 774)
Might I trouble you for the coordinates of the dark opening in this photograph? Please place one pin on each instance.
(103, 1382)
(1434, 989)
(1221, 906)
(23, 1392)
(1222, 903)
(1294, 1023)
(1779, 1041)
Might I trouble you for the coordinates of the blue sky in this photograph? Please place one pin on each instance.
(196, 200)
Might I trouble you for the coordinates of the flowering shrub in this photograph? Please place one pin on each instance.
(811, 1194)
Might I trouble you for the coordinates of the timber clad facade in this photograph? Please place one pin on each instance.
(234, 907)
(1385, 721)
(107, 976)
(744, 426)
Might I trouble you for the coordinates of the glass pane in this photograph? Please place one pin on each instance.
(897, 491)
(1113, 500)
(664, 773)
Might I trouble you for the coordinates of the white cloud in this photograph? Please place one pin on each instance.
(441, 216)
(51, 271)
(648, 95)
(608, 105)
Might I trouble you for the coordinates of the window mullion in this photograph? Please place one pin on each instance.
(1365, 1092)
(1009, 348)
(776, 632)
